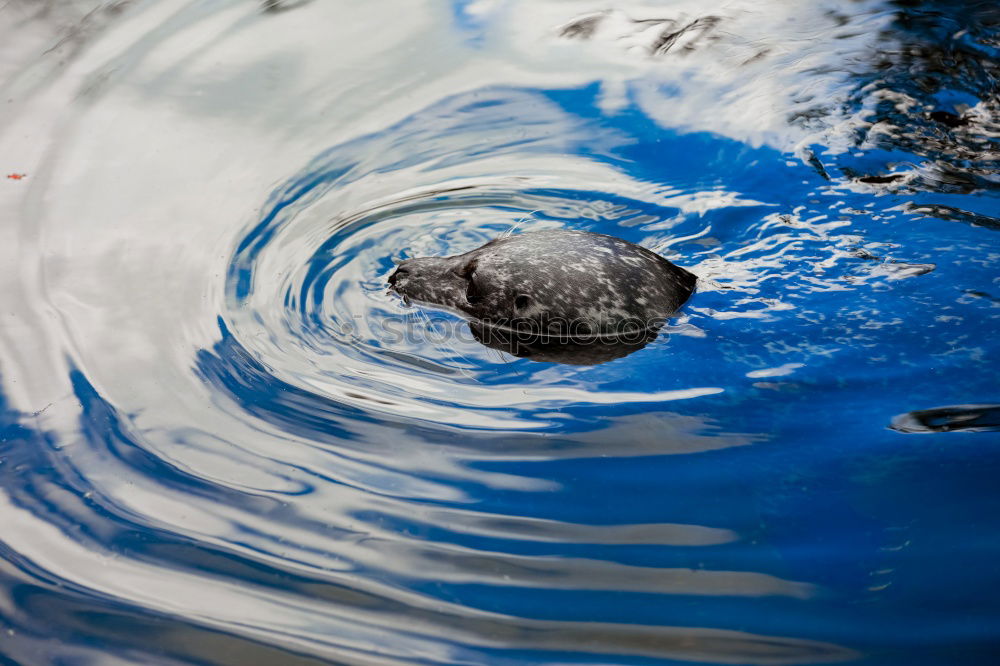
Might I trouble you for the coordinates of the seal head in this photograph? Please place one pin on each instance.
(556, 283)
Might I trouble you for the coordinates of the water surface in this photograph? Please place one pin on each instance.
(223, 442)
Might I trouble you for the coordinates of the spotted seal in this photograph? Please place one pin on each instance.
(573, 286)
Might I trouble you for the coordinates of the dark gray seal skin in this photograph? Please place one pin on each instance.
(552, 283)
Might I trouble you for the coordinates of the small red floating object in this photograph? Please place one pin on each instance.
(17, 176)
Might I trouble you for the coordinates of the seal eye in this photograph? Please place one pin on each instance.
(521, 302)
(472, 293)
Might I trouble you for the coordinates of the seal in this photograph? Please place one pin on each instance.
(558, 285)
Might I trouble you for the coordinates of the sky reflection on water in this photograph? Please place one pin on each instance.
(215, 449)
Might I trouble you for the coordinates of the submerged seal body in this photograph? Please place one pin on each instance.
(551, 283)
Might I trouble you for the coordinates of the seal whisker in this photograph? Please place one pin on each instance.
(446, 346)
(519, 223)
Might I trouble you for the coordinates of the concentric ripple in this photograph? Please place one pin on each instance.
(307, 292)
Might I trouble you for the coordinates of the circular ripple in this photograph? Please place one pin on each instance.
(307, 290)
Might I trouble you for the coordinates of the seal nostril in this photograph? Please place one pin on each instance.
(521, 302)
(400, 272)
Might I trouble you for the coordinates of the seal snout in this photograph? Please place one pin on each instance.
(401, 272)
(427, 279)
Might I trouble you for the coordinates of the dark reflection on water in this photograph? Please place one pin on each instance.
(545, 349)
(973, 418)
(222, 442)
(929, 100)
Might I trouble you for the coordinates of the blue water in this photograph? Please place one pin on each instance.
(223, 441)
